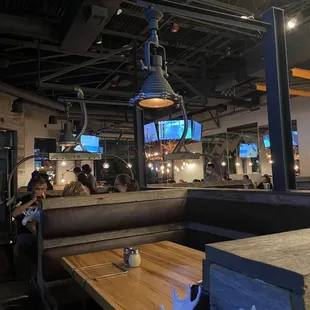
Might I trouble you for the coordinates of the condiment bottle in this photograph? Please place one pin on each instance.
(134, 259)
(126, 255)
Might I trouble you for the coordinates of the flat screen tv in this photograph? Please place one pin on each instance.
(294, 138)
(248, 150)
(150, 133)
(197, 131)
(90, 144)
(173, 130)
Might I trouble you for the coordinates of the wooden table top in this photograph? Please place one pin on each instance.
(164, 265)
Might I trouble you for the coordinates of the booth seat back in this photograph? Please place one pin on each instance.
(248, 212)
(76, 225)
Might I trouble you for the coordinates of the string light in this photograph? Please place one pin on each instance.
(223, 163)
(168, 170)
(292, 23)
(150, 165)
(62, 180)
(168, 165)
(162, 167)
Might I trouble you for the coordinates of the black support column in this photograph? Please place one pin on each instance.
(278, 101)
(139, 146)
(138, 118)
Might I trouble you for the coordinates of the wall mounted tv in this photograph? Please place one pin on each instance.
(248, 150)
(197, 131)
(90, 144)
(150, 133)
(173, 130)
(266, 139)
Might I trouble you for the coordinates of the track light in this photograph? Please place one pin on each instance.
(156, 91)
(99, 39)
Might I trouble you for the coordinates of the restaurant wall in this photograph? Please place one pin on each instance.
(300, 111)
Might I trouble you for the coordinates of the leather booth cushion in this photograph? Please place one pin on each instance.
(51, 261)
(69, 222)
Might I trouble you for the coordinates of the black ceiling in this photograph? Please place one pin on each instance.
(207, 61)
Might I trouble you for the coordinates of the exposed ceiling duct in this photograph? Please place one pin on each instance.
(20, 93)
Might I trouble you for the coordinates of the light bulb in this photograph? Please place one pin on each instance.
(62, 180)
(296, 167)
(292, 23)
(182, 167)
(270, 161)
(106, 165)
(250, 164)
(162, 167)
(168, 170)
(237, 164)
(168, 165)
(63, 163)
(152, 168)
(156, 169)
(223, 163)
(119, 11)
(129, 165)
(162, 172)
(150, 165)
(176, 167)
(244, 17)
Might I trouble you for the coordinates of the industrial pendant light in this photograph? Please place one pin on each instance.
(66, 137)
(156, 91)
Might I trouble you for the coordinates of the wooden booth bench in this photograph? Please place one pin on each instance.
(188, 216)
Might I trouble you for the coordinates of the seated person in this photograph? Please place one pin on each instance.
(266, 180)
(44, 177)
(87, 170)
(75, 189)
(84, 180)
(34, 174)
(171, 181)
(24, 251)
(124, 183)
(211, 175)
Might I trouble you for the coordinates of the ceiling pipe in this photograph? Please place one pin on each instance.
(20, 93)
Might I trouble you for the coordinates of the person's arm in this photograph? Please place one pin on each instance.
(19, 210)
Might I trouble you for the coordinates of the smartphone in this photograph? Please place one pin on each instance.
(39, 198)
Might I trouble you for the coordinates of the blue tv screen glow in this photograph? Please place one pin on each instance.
(90, 144)
(248, 150)
(197, 131)
(294, 138)
(173, 130)
(150, 133)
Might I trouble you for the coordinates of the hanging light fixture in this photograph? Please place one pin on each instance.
(129, 165)
(105, 164)
(66, 137)
(156, 91)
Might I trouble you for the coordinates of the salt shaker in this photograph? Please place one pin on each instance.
(134, 259)
(126, 255)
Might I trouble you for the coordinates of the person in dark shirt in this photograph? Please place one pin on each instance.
(267, 181)
(83, 179)
(34, 174)
(24, 252)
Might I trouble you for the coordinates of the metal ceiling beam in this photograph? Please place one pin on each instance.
(206, 15)
(20, 93)
(28, 27)
(70, 88)
(84, 64)
(93, 101)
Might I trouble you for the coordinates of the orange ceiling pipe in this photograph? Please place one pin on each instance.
(301, 73)
(293, 92)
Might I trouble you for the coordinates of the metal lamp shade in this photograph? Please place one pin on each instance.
(156, 92)
(67, 138)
